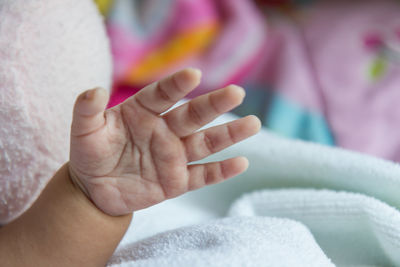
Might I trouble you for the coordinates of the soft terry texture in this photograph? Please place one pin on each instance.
(354, 220)
(50, 50)
(351, 228)
(230, 242)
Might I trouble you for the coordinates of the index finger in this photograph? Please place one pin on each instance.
(160, 96)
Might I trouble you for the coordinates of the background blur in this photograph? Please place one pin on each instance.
(323, 71)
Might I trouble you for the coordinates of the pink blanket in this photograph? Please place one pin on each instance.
(324, 71)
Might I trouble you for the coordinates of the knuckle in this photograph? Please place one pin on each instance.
(194, 114)
(162, 92)
(230, 134)
(212, 173)
(212, 103)
(207, 175)
(176, 84)
(209, 143)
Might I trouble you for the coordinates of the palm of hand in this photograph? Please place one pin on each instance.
(132, 156)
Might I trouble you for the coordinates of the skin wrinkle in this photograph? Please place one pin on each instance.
(176, 85)
(223, 170)
(108, 174)
(191, 142)
(125, 202)
(194, 115)
(230, 134)
(163, 94)
(209, 143)
(162, 186)
(220, 175)
(213, 174)
(111, 115)
(91, 175)
(143, 173)
(122, 154)
(140, 103)
(88, 117)
(124, 197)
(185, 142)
(121, 142)
(108, 185)
(141, 161)
(217, 174)
(124, 117)
(212, 104)
(90, 132)
(206, 175)
(155, 166)
(171, 158)
(185, 152)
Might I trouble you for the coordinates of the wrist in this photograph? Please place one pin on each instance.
(76, 181)
(63, 228)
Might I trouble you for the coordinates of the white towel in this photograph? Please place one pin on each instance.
(230, 242)
(350, 228)
(50, 51)
(358, 226)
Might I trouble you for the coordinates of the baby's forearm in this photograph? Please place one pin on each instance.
(62, 228)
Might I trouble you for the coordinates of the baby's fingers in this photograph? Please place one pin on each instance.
(215, 172)
(160, 96)
(88, 113)
(204, 143)
(196, 113)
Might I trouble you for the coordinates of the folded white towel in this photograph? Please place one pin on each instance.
(350, 228)
(230, 242)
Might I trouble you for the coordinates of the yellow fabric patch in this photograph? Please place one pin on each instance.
(104, 5)
(182, 46)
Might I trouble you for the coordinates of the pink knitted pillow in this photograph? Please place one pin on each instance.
(50, 51)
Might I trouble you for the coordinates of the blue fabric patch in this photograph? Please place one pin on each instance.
(256, 101)
(289, 119)
(143, 18)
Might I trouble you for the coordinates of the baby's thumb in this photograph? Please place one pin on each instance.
(88, 113)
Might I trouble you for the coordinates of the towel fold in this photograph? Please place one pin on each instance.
(350, 228)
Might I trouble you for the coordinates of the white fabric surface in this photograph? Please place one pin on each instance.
(241, 241)
(50, 51)
(347, 200)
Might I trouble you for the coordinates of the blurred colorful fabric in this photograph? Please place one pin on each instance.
(324, 71)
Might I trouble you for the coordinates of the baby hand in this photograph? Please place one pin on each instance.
(133, 155)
